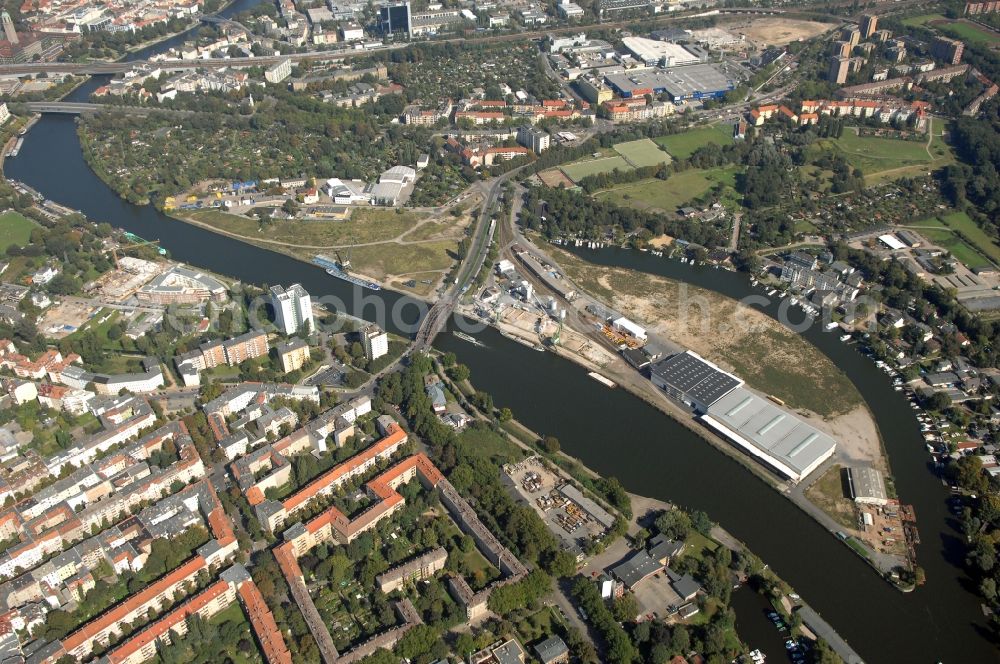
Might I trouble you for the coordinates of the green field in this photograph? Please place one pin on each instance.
(15, 228)
(922, 19)
(887, 158)
(683, 145)
(960, 222)
(969, 32)
(581, 169)
(641, 153)
(672, 193)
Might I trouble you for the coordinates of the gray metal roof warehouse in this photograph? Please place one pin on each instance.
(867, 485)
(687, 82)
(636, 568)
(692, 378)
(772, 434)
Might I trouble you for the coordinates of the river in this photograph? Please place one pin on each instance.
(617, 434)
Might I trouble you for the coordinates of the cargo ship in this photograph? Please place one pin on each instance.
(334, 269)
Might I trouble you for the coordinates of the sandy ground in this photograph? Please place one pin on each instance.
(854, 432)
(661, 241)
(778, 32)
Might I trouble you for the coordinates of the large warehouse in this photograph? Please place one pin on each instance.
(769, 433)
(693, 380)
(699, 81)
(652, 51)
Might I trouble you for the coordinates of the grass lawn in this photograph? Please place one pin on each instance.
(672, 193)
(697, 544)
(536, 626)
(960, 222)
(487, 444)
(15, 228)
(643, 152)
(827, 493)
(887, 158)
(922, 19)
(683, 145)
(804, 226)
(382, 260)
(581, 169)
(365, 225)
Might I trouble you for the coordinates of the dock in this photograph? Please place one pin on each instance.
(602, 380)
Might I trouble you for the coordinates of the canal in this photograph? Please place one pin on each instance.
(617, 434)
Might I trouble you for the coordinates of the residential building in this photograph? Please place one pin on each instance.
(293, 355)
(245, 347)
(869, 24)
(278, 72)
(375, 341)
(415, 569)
(292, 309)
(839, 66)
(949, 50)
(534, 139)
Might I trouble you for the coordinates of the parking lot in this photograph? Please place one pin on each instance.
(656, 597)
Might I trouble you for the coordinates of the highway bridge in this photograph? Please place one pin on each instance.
(78, 108)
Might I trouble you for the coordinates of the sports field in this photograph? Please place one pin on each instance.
(969, 248)
(669, 194)
(968, 32)
(15, 228)
(683, 145)
(643, 152)
(956, 246)
(960, 222)
(581, 169)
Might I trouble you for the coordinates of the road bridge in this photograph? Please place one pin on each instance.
(79, 108)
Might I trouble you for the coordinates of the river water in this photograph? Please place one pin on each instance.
(617, 434)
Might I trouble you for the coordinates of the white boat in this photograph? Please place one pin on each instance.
(845, 337)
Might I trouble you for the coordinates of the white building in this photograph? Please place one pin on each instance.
(279, 72)
(4, 113)
(292, 308)
(375, 341)
(351, 31)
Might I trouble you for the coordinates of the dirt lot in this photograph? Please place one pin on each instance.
(778, 32)
(65, 318)
(554, 177)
